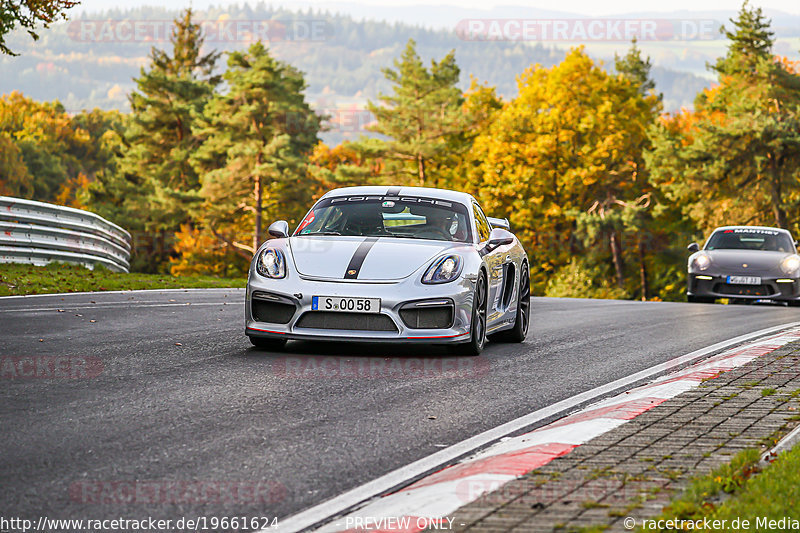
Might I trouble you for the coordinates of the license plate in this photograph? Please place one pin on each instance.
(346, 304)
(743, 280)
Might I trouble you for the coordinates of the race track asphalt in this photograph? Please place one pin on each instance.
(162, 408)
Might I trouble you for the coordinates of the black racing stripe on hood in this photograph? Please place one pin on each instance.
(393, 191)
(354, 267)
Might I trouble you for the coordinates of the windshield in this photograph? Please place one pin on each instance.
(750, 239)
(376, 216)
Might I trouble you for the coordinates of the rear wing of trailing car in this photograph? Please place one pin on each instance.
(500, 223)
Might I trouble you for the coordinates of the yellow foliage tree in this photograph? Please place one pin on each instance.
(572, 138)
(198, 251)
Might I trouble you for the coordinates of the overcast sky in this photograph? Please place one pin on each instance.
(593, 7)
(584, 7)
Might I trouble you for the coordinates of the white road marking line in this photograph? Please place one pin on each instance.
(97, 293)
(403, 475)
(116, 306)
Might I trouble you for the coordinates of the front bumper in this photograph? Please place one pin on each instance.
(715, 286)
(388, 326)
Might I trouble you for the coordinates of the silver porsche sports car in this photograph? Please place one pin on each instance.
(745, 263)
(406, 264)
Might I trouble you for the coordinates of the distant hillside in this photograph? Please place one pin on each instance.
(446, 15)
(84, 64)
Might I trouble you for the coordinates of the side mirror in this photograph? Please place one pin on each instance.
(499, 237)
(279, 229)
(499, 223)
(694, 247)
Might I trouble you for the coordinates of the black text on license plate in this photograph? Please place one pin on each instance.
(346, 304)
(743, 280)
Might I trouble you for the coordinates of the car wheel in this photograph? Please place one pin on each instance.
(522, 319)
(700, 299)
(267, 343)
(478, 324)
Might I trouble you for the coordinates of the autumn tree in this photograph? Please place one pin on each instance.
(343, 165)
(615, 215)
(48, 155)
(28, 14)
(481, 106)
(15, 180)
(566, 143)
(625, 216)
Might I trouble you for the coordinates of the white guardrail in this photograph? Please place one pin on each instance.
(38, 233)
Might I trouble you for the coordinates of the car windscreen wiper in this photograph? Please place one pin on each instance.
(319, 233)
(404, 236)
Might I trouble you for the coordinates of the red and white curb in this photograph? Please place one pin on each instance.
(429, 501)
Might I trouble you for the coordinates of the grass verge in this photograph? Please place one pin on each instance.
(59, 277)
(737, 492)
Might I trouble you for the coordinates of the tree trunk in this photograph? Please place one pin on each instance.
(257, 193)
(421, 169)
(776, 193)
(642, 270)
(616, 257)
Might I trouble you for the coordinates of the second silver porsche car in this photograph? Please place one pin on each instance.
(745, 263)
(390, 264)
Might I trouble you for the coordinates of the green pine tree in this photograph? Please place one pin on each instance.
(750, 44)
(256, 140)
(633, 66)
(423, 119)
(158, 139)
(735, 159)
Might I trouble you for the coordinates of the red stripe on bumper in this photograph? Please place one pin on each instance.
(267, 331)
(440, 336)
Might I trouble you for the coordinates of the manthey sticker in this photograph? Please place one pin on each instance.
(306, 221)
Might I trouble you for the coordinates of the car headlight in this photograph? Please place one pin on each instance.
(443, 270)
(702, 261)
(271, 263)
(791, 264)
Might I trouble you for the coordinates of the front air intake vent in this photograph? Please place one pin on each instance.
(743, 290)
(271, 310)
(346, 321)
(438, 317)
